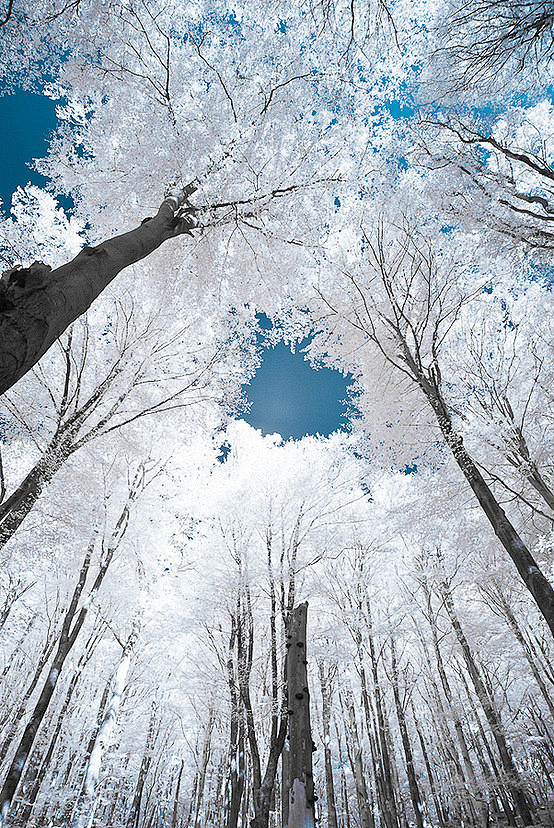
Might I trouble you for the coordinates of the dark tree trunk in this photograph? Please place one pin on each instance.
(513, 779)
(300, 783)
(37, 304)
(415, 794)
(535, 581)
(133, 816)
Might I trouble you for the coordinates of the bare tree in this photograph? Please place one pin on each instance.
(483, 37)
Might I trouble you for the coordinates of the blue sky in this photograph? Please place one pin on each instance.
(286, 395)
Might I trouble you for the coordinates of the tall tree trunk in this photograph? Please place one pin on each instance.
(87, 802)
(204, 761)
(513, 780)
(429, 381)
(37, 304)
(33, 780)
(18, 715)
(326, 681)
(301, 782)
(503, 604)
(354, 749)
(73, 621)
(477, 797)
(441, 817)
(345, 821)
(175, 813)
(533, 578)
(415, 794)
(389, 811)
(133, 816)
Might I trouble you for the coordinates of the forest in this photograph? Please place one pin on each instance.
(202, 626)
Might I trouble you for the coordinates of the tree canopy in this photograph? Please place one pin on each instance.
(377, 180)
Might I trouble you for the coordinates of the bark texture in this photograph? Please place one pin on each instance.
(37, 303)
(301, 783)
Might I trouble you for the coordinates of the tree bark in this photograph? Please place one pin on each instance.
(513, 780)
(354, 750)
(133, 817)
(87, 803)
(535, 581)
(71, 627)
(37, 304)
(326, 681)
(301, 782)
(415, 794)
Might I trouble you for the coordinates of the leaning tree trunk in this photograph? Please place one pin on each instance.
(37, 304)
(513, 779)
(300, 782)
(533, 578)
(87, 800)
(71, 627)
(429, 381)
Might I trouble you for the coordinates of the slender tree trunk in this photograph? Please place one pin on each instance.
(326, 678)
(34, 780)
(518, 633)
(87, 801)
(356, 763)
(476, 794)
(206, 750)
(415, 794)
(133, 817)
(37, 304)
(529, 571)
(345, 822)
(430, 775)
(492, 715)
(20, 712)
(389, 811)
(71, 627)
(175, 813)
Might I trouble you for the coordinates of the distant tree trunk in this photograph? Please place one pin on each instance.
(428, 379)
(441, 816)
(478, 799)
(133, 817)
(415, 794)
(502, 603)
(326, 681)
(301, 782)
(533, 578)
(175, 813)
(87, 803)
(18, 714)
(385, 785)
(235, 780)
(345, 821)
(513, 779)
(202, 770)
(73, 621)
(35, 776)
(37, 304)
(356, 763)
(262, 786)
